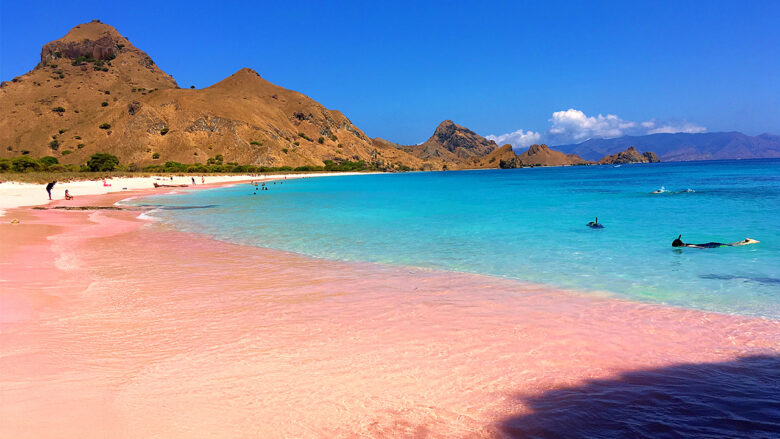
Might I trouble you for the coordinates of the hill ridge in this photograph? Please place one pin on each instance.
(93, 91)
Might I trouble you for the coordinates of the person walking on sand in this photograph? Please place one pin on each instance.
(50, 186)
(193, 180)
(202, 180)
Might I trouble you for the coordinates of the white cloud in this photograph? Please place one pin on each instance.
(518, 138)
(573, 126)
(684, 127)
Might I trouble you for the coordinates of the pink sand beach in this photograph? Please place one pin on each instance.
(112, 326)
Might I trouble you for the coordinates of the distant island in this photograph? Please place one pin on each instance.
(631, 155)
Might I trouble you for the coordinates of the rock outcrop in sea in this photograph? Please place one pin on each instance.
(630, 155)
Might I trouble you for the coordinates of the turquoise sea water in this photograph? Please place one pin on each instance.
(529, 224)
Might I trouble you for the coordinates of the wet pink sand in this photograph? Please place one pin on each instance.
(112, 326)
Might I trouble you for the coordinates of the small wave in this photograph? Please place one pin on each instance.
(146, 217)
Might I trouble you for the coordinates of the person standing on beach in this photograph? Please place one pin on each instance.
(50, 186)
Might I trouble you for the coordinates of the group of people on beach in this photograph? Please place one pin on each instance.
(50, 186)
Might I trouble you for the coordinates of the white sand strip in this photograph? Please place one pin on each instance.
(14, 194)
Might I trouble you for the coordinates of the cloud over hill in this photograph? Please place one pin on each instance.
(573, 125)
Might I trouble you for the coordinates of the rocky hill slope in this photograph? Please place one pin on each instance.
(93, 91)
(503, 157)
(631, 155)
(450, 147)
(542, 155)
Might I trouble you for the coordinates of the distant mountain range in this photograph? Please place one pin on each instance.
(683, 146)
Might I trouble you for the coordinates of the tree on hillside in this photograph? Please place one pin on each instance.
(102, 162)
(48, 160)
(25, 163)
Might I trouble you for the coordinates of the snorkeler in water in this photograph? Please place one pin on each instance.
(678, 243)
(595, 224)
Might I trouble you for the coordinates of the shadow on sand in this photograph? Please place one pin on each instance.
(736, 399)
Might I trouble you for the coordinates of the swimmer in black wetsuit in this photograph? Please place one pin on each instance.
(678, 243)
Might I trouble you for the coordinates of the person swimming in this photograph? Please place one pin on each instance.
(595, 224)
(679, 243)
(664, 191)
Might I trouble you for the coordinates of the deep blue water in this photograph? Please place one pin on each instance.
(529, 224)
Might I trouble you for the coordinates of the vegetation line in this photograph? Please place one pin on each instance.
(102, 166)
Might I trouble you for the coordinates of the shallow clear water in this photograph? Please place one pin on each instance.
(529, 224)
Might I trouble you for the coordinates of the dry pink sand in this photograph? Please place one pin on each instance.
(115, 327)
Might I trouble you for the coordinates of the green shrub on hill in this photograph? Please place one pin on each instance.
(102, 162)
(171, 166)
(25, 164)
(309, 168)
(48, 160)
(344, 166)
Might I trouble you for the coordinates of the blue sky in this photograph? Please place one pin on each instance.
(397, 69)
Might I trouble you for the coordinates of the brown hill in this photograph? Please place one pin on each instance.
(542, 155)
(504, 155)
(631, 155)
(451, 147)
(93, 91)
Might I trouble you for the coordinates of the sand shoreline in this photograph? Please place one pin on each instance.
(16, 194)
(112, 324)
